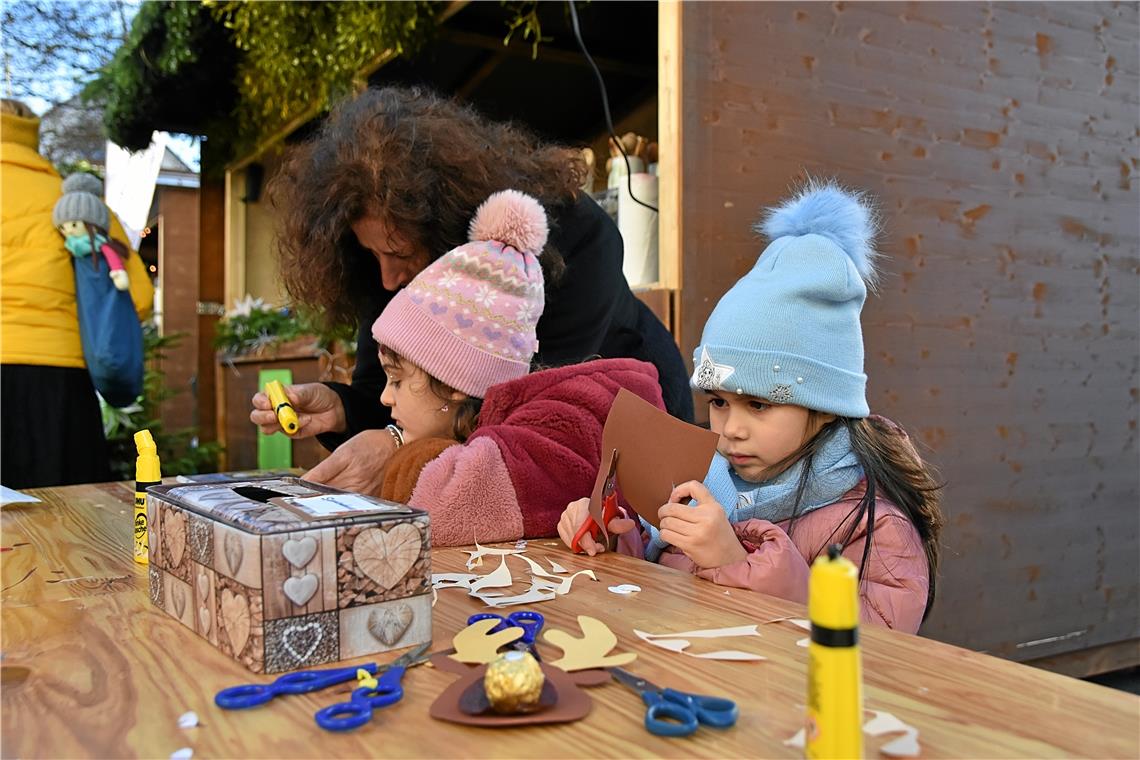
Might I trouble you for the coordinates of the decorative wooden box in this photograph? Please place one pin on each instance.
(281, 574)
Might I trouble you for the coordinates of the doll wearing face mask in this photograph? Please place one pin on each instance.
(83, 220)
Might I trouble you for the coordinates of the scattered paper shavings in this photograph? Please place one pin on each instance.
(796, 741)
(499, 578)
(188, 720)
(625, 588)
(476, 558)
(904, 746)
(556, 567)
(884, 723)
(681, 645)
(803, 642)
(536, 593)
(800, 623)
(182, 754)
(705, 633)
(562, 585)
(434, 596)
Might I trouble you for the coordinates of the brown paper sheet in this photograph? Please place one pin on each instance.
(656, 452)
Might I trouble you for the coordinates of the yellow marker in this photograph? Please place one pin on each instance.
(147, 473)
(835, 676)
(281, 407)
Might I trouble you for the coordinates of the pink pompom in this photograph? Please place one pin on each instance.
(512, 218)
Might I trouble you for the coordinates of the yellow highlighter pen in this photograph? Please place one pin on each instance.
(835, 675)
(281, 407)
(147, 473)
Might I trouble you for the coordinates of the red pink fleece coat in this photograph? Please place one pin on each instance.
(536, 448)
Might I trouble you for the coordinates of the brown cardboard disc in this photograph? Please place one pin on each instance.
(573, 703)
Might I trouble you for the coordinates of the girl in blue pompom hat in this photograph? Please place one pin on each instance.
(801, 462)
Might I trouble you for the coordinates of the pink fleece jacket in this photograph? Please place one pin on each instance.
(536, 448)
(894, 584)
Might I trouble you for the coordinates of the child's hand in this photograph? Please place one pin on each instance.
(702, 532)
(576, 513)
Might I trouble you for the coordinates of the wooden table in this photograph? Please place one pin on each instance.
(91, 669)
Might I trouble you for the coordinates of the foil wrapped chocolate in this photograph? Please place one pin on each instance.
(513, 683)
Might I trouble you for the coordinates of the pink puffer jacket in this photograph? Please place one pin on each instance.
(895, 582)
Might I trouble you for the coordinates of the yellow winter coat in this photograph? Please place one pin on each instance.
(38, 321)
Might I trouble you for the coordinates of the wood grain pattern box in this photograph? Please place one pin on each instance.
(281, 574)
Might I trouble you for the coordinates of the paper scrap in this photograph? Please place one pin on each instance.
(499, 578)
(705, 633)
(681, 645)
(800, 623)
(904, 746)
(625, 588)
(453, 580)
(188, 720)
(562, 586)
(182, 754)
(796, 741)
(556, 567)
(803, 642)
(476, 558)
(885, 723)
(12, 496)
(434, 596)
(533, 595)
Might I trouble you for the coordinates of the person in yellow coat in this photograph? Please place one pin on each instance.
(51, 430)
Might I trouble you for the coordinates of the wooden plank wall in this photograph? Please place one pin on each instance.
(1002, 140)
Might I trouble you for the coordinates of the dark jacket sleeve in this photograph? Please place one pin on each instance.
(362, 407)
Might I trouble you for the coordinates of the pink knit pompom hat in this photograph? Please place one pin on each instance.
(469, 318)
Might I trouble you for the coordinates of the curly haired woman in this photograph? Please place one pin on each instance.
(389, 184)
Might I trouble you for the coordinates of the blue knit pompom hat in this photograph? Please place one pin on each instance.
(789, 330)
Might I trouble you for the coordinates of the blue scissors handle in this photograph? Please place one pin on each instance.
(356, 712)
(252, 695)
(664, 717)
(531, 623)
(710, 711)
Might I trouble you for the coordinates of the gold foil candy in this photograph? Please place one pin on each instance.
(513, 683)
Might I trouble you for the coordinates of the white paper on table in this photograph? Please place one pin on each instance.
(533, 595)
(885, 723)
(681, 645)
(556, 567)
(182, 754)
(453, 580)
(12, 496)
(904, 746)
(625, 588)
(796, 741)
(476, 558)
(499, 578)
(562, 585)
(188, 720)
(803, 642)
(706, 633)
(800, 623)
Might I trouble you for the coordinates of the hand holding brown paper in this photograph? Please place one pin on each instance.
(655, 452)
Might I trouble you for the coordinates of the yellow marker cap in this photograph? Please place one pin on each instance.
(833, 592)
(286, 415)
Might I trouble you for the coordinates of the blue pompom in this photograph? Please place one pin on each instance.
(826, 209)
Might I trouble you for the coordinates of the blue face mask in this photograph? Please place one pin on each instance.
(80, 245)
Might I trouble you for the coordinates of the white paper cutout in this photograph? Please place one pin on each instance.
(680, 645)
(182, 754)
(556, 567)
(904, 746)
(885, 723)
(803, 642)
(535, 568)
(535, 594)
(499, 578)
(796, 741)
(625, 588)
(562, 585)
(800, 623)
(706, 633)
(453, 580)
(476, 558)
(434, 596)
(188, 720)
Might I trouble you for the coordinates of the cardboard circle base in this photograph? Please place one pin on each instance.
(573, 703)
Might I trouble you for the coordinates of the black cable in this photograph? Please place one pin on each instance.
(606, 107)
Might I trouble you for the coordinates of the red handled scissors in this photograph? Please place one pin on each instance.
(609, 507)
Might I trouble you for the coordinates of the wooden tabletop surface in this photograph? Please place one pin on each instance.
(90, 669)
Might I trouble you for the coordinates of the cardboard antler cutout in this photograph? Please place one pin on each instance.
(589, 651)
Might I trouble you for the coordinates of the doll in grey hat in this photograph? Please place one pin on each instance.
(83, 219)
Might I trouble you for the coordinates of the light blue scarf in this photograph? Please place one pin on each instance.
(834, 472)
(80, 245)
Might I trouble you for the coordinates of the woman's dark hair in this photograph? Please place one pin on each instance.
(467, 410)
(419, 162)
(890, 464)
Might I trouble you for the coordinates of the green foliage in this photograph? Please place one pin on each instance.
(300, 55)
(180, 451)
(253, 326)
(524, 16)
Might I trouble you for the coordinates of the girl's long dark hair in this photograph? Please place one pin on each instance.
(891, 466)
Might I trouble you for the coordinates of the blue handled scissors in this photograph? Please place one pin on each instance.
(389, 690)
(530, 622)
(254, 694)
(678, 713)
